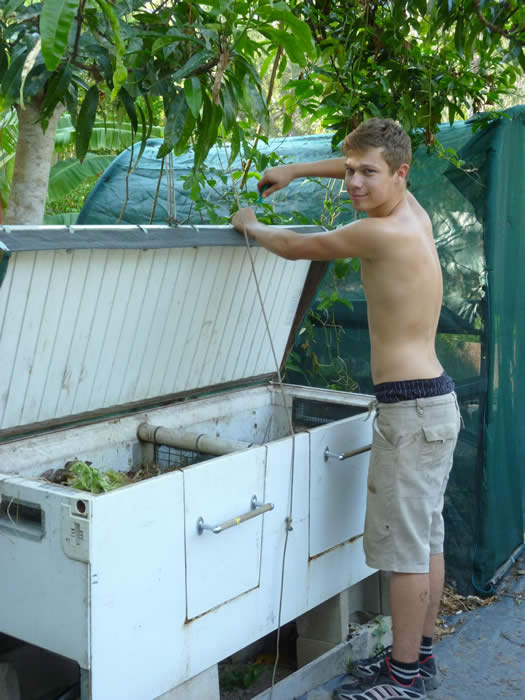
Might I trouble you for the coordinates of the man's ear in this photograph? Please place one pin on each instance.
(402, 172)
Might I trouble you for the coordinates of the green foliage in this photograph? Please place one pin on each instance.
(56, 20)
(8, 137)
(199, 67)
(68, 174)
(88, 478)
(240, 676)
(320, 334)
(418, 63)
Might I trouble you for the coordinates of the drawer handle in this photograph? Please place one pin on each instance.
(346, 455)
(257, 508)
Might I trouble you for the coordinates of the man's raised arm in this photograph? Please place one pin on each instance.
(281, 176)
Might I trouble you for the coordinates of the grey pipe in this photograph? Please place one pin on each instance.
(186, 440)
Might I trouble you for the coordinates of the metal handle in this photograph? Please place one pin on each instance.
(346, 455)
(257, 508)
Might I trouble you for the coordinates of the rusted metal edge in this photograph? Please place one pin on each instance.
(189, 620)
(337, 546)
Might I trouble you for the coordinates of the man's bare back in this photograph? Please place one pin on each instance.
(404, 292)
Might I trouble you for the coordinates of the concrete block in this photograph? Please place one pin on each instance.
(331, 622)
(310, 649)
(328, 621)
(331, 664)
(204, 686)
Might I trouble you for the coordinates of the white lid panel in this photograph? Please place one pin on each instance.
(88, 329)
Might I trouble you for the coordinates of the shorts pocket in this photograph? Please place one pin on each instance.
(388, 436)
(435, 458)
(441, 433)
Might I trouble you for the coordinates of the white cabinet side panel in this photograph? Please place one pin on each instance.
(225, 565)
(138, 596)
(338, 488)
(44, 593)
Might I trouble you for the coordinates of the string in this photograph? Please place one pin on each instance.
(288, 520)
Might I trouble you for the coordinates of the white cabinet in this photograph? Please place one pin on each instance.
(127, 580)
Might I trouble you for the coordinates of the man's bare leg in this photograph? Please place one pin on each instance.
(437, 579)
(409, 599)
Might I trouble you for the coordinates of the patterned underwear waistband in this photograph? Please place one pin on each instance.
(408, 390)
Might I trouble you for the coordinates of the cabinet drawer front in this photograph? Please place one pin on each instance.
(338, 487)
(223, 565)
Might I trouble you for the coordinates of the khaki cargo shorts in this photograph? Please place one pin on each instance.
(412, 448)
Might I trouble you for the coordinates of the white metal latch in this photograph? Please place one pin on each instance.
(257, 508)
(346, 455)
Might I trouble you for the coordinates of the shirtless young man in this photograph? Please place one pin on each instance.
(417, 415)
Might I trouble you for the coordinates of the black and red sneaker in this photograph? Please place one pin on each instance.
(383, 687)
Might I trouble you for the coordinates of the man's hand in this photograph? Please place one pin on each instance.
(276, 179)
(242, 218)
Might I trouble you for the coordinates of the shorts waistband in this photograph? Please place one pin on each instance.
(408, 390)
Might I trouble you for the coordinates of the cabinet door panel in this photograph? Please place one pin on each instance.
(221, 566)
(338, 487)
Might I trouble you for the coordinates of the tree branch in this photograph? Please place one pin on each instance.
(496, 29)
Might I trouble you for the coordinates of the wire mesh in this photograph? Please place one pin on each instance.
(167, 457)
(310, 413)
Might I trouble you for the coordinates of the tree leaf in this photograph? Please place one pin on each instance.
(256, 105)
(56, 89)
(459, 37)
(175, 121)
(11, 80)
(28, 65)
(299, 31)
(279, 37)
(85, 122)
(193, 94)
(65, 175)
(129, 106)
(186, 133)
(56, 19)
(198, 60)
(521, 59)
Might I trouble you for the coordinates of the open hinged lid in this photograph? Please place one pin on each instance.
(95, 320)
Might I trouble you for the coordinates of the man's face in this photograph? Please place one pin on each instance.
(369, 182)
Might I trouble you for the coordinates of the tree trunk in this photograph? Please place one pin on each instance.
(34, 150)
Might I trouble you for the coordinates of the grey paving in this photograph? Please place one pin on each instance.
(483, 659)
